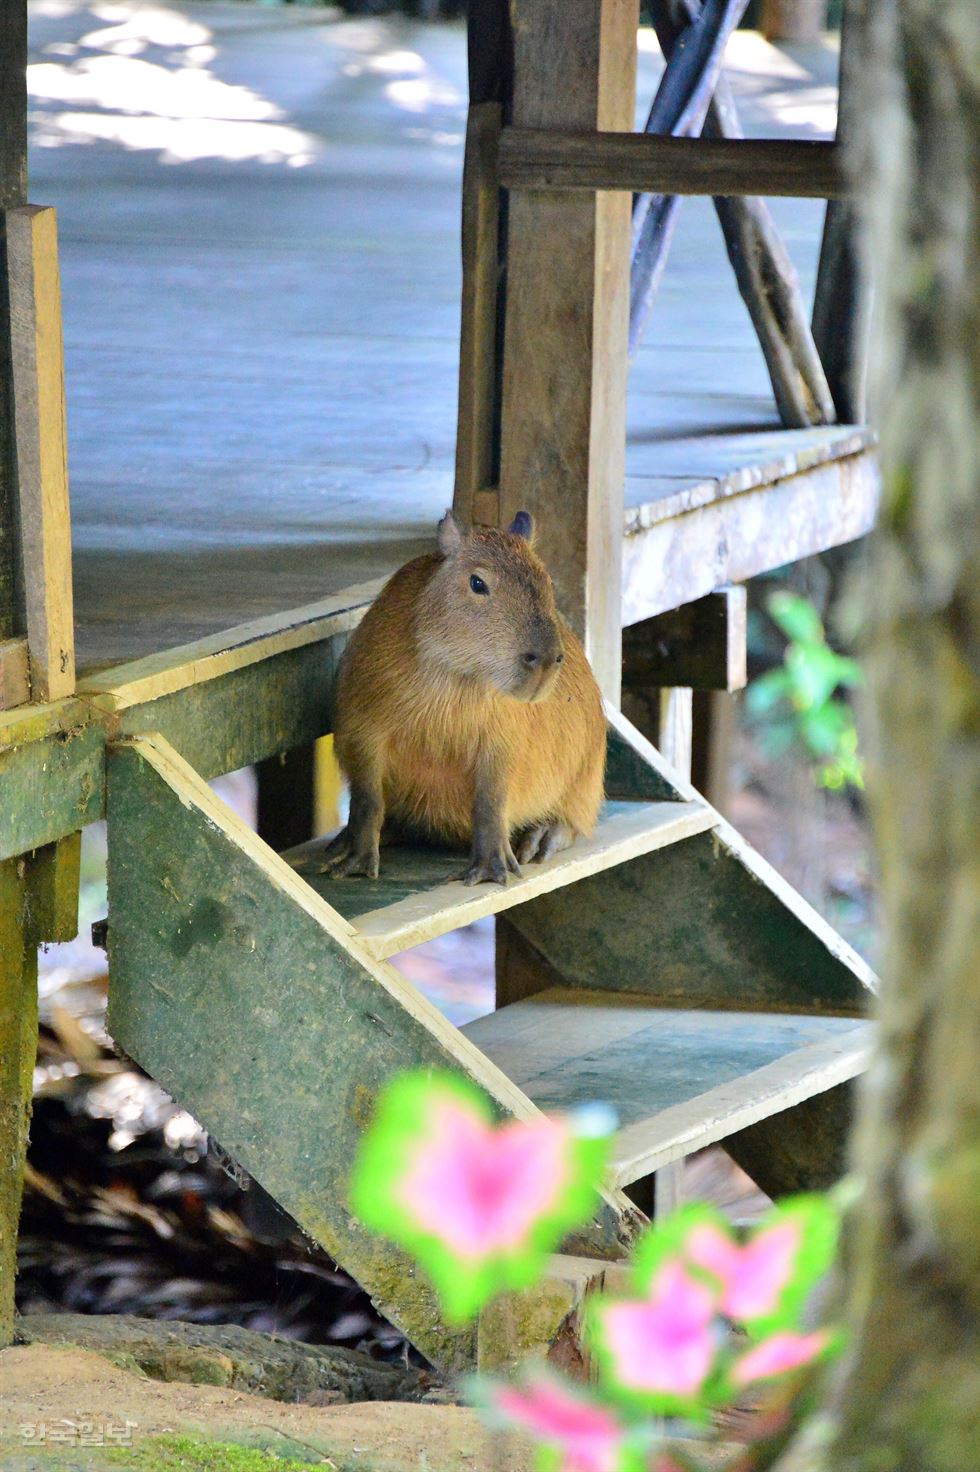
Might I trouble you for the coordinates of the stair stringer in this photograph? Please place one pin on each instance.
(705, 922)
(253, 1004)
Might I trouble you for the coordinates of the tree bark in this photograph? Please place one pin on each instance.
(908, 1396)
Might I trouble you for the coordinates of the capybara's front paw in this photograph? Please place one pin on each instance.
(348, 855)
(490, 866)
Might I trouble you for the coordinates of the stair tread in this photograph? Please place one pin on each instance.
(415, 898)
(678, 1079)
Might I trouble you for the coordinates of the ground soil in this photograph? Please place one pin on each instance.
(57, 1386)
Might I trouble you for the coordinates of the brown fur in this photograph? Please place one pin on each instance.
(436, 703)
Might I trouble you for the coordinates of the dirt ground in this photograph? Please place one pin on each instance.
(51, 1399)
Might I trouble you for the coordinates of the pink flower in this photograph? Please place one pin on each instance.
(753, 1277)
(481, 1189)
(588, 1437)
(665, 1344)
(479, 1205)
(778, 1355)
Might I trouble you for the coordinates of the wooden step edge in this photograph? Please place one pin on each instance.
(645, 1146)
(423, 916)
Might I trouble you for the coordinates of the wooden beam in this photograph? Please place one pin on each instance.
(478, 358)
(539, 158)
(742, 530)
(15, 673)
(13, 191)
(700, 645)
(803, 1149)
(717, 927)
(18, 1054)
(841, 299)
(693, 54)
(567, 318)
(55, 871)
(44, 528)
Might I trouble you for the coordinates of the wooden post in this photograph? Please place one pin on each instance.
(43, 526)
(18, 1050)
(13, 192)
(18, 954)
(563, 433)
(793, 20)
(840, 301)
(286, 798)
(490, 56)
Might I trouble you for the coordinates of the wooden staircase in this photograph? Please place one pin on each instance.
(693, 991)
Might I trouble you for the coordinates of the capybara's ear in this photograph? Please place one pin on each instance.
(450, 536)
(523, 526)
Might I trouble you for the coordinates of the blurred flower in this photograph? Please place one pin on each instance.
(661, 1347)
(479, 1205)
(581, 1434)
(779, 1354)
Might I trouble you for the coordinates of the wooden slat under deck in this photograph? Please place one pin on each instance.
(677, 1079)
(415, 899)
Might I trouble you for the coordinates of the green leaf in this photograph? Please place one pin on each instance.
(765, 693)
(813, 670)
(796, 616)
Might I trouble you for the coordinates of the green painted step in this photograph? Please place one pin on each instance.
(415, 898)
(678, 1079)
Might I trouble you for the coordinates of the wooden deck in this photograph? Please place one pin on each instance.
(261, 297)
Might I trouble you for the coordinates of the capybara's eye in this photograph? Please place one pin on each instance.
(478, 585)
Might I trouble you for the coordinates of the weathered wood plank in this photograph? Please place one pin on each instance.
(677, 1079)
(537, 158)
(13, 192)
(736, 536)
(708, 924)
(567, 318)
(770, 1093)
(412, 902)
(15, 673)
(804, 1148)
(41, 443)
(143, 680)
(52, 784)
(229, 974)
(254, 711)
(478, 359)
(18, 1053)
(54, 889)
(701, 645)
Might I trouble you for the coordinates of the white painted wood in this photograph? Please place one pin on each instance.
(617, 838)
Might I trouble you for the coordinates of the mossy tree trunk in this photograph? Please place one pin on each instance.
(909, 1394)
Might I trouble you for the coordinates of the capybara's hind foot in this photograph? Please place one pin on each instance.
(543, 841)
(347, 856)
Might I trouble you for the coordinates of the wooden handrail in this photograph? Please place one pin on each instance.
(532, 158)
